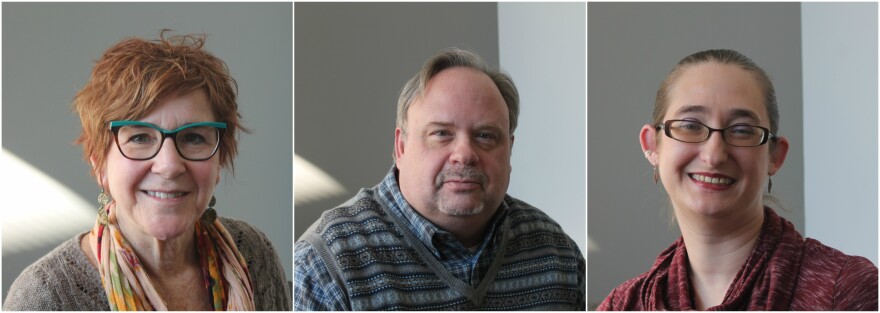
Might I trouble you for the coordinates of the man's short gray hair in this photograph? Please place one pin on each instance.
(449, 58)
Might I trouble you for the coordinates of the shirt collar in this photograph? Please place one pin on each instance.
(424, 229)
(389, 191)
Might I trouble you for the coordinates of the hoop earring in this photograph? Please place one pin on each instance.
(769, 183)
(103, 200)
(210, 214)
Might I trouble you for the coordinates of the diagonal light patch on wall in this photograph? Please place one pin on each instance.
(37, 209)
(592, 246)
(311, 184)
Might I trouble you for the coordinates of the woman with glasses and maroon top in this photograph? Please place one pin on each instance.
(159, 122)
(713, 145)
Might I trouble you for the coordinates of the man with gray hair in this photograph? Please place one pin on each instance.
(439, 231)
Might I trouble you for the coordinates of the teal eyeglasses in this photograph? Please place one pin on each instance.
(142, 141)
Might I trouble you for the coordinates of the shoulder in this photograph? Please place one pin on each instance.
(845, 282)
(350, 226)
(359, 208)
(314, 288)
(63, 279)
(629, 295)
(625, 297)
(536, 238)
(522, 212)
(337, 226)
(271, 287)
(528, 222)
(249, 240)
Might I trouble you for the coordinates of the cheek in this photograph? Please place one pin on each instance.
(206, 174)
(123, 176)
(426, 160)
(674, 157)
(752, 163)
(497, 164)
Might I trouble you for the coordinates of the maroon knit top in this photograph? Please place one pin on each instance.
(783, 272)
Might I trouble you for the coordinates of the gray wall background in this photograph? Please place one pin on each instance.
(50, 48)
(352, 59)
(631, 48)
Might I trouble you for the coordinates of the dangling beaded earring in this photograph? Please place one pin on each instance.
(210, 214)
(769, 183)
(656, 175)
(103, 201)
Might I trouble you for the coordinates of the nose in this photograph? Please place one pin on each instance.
(463, 151)
(714, 150)
(168, 163)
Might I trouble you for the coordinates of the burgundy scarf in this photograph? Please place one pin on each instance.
(765, 282)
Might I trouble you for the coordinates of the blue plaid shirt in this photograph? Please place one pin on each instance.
(315, 290)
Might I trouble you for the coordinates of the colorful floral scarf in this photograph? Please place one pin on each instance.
(129, 288)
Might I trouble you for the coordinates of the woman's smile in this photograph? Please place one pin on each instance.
(165, 195)
(712, 181)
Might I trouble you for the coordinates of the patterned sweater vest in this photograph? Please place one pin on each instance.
(381, 265)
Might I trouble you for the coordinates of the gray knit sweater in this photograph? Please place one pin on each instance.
(378, 263)
(64, 280)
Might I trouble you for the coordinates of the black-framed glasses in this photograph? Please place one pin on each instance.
(142, 141)
(740, 135)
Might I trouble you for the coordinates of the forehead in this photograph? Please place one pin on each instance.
(183, 108)
(717, 89)
(460, 94)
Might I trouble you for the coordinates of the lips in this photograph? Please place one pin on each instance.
(462, 185)
(461, 178)
(712, 179)
(462, 181)
(164, 194)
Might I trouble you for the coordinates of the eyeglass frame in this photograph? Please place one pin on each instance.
(116, 125)
(764, 139)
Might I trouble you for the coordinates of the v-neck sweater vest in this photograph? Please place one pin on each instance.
(381, 265)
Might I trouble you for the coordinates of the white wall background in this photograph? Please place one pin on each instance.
(542, 47)
(840, 125)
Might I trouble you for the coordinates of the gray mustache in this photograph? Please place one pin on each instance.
(460, 173)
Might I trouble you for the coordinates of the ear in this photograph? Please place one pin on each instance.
(99, 173)
(777, 155)
(399, 145)
(512, 137)
(648, 140)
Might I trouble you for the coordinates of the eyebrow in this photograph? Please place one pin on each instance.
(735, 113)
(480, 127)
(440, 124)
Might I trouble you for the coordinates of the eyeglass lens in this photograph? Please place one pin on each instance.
(193, 143)
(737, 135)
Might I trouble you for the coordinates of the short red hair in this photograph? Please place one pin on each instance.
(133, 75)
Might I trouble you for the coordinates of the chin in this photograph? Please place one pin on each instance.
(168, 229)
(461, 208)
(455, 211)
(711, 207)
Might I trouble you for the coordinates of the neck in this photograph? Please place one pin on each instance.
(717, 247)
(163, 258)
(468, 230)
